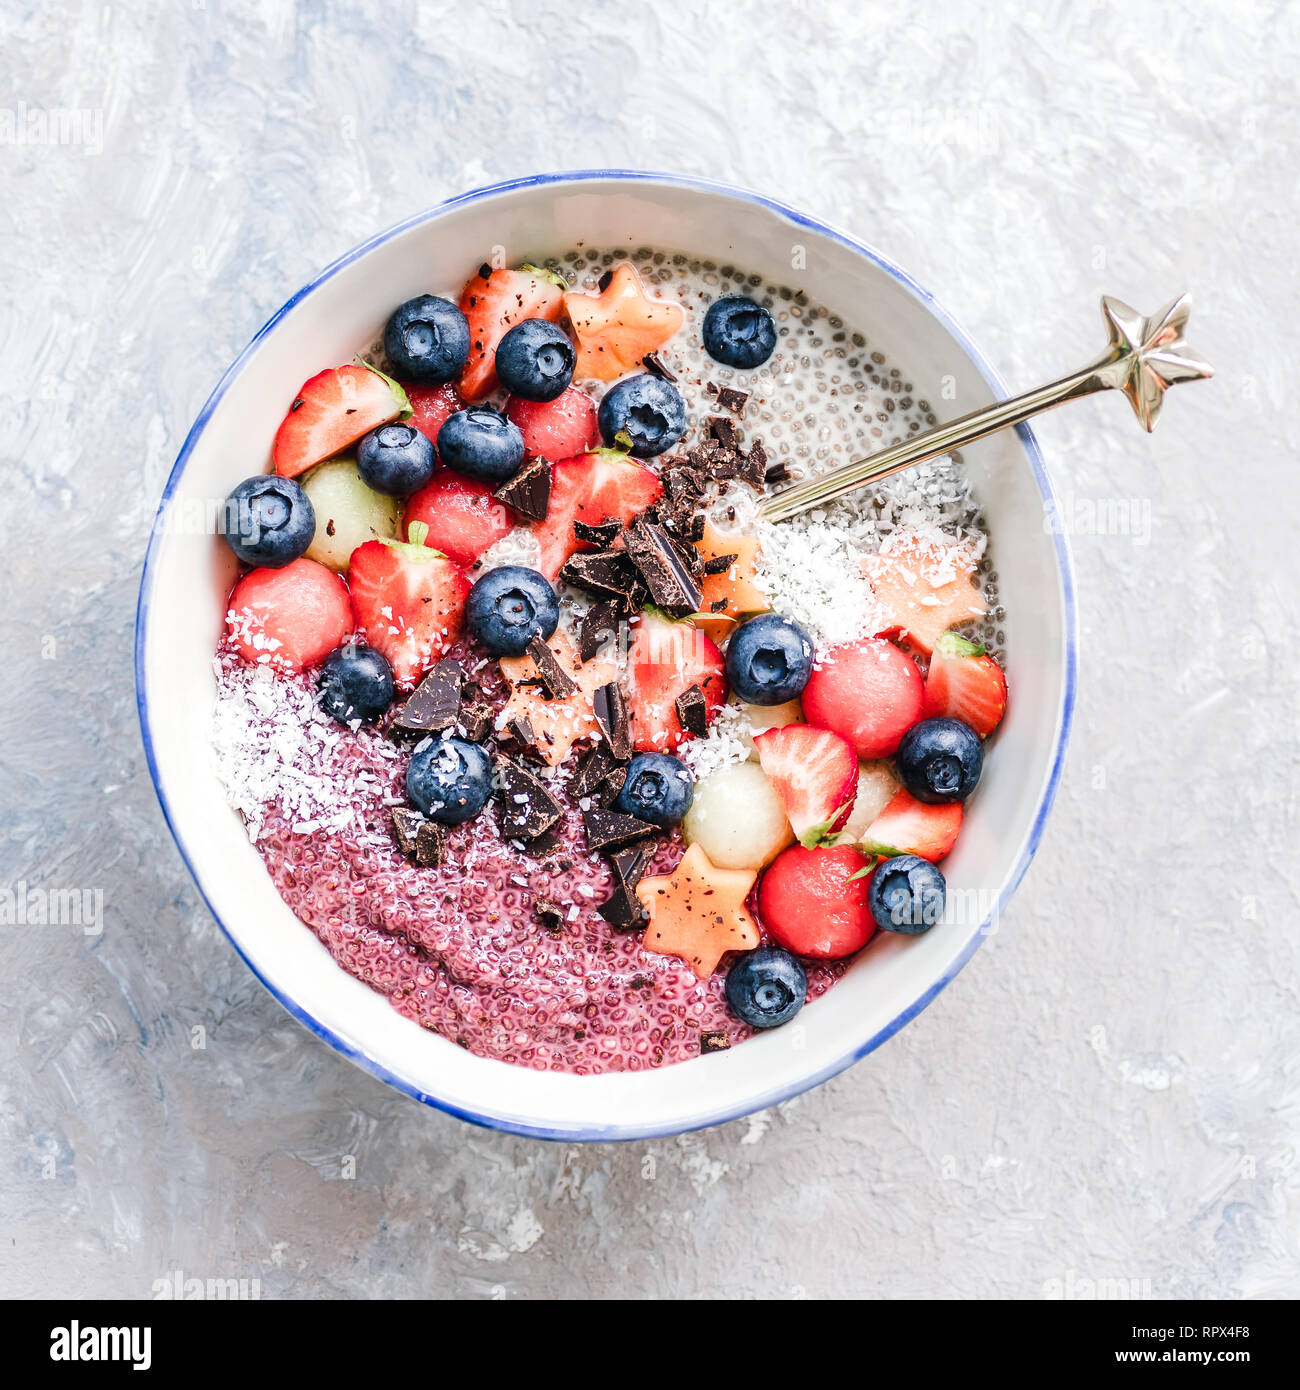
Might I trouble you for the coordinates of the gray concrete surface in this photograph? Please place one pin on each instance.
(1107, 1102)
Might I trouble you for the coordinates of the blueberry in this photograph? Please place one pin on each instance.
(268, 521)
(396, 459)
(355, 682)
(906, 894)
(510, 606)
(449, 780)
(766, 987)
(769, 660)
(659, 788)
(427, 339)
(940, 760)
(648, 409)
(535, 360)
(482, 444)
(738, 332)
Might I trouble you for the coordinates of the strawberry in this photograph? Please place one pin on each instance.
(592, 487)
(664, 660)
(431, 406)
(868, 692)
(965, 684)
(331, 411)
(814, 901)
(909, 826)
(410, 600)
(815, 773)
(618, 327)
(493, 302)
(556, 429)
(462, 516)
(289, 618)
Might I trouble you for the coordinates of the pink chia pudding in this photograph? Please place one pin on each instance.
(539, 729)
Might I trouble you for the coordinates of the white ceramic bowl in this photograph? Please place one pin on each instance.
(187, 576)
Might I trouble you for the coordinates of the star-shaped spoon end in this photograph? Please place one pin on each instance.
(1149, 355)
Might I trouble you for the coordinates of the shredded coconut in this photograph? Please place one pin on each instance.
(729, 739)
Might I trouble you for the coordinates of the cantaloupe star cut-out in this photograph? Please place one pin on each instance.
(736, 584)
(925, 588)
(557, 724)
(698, 912)
(617, 327)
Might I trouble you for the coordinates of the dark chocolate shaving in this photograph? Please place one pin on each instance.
(720, 564)
(724, 431)
(519, 730)
(406, 828)
(609, 830)
(550, 914)
(434, 704)
(731, 399)
(609, 573)
(611, 714)
(593, 767)
(417, 838)
(623, 909)
(476, 720)
(598, 625)
(602, 535)
(754, 466)
(692, 711)
(654, 364)
(607, 792)
(527, 808)
(667, 577)
(553, 676)
(529, 492)
(714, 1042)
(719, 605)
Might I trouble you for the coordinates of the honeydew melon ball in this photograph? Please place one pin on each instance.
(737, 818)
(353, 512)
(762, 717)
(877, 783)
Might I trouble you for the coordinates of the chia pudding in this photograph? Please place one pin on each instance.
(562, 950)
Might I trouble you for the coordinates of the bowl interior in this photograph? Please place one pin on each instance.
(188, 575)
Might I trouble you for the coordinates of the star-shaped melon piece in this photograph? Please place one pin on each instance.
(557, 724)
(617, 327)
(698, 912)
(736, 583)
(925, 588)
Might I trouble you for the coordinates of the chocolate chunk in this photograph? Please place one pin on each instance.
(609, 830)
(720, 564)
(417, 838)
(724, 431)
(717, 462)
(519, 730)
(714, 1042)
(609, 573)
(553, 676)
(603, 535)
(476, 720)
(778, 473)
(719, 605)
(654, 364)
(598, 625)
(542, 846)
(528, 808)
(754, 466)
(697, 527)
(529, 492)
(623, 909)
(433, 705)
(594, 766)
(666, 575)
(610, 786)
(732, 400)
(406, 828)
(692, 711)
(550, 915)
(611, 714)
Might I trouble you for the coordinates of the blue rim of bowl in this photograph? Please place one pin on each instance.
(618, 1133)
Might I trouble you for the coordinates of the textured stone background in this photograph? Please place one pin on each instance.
(1111, 1090)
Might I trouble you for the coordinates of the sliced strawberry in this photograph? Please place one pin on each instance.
(591, 487)
(462, 516)
(431, 407)
(556, 429)
(333, 410)
(909, 826)
(664, 660)
(965, 684)
(814, 901)
(616, 328)
(410, 600)
(493, 302)
(815, 773)
(289, 618)
(868, 692)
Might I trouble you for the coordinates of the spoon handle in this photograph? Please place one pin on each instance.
(1146, 356)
